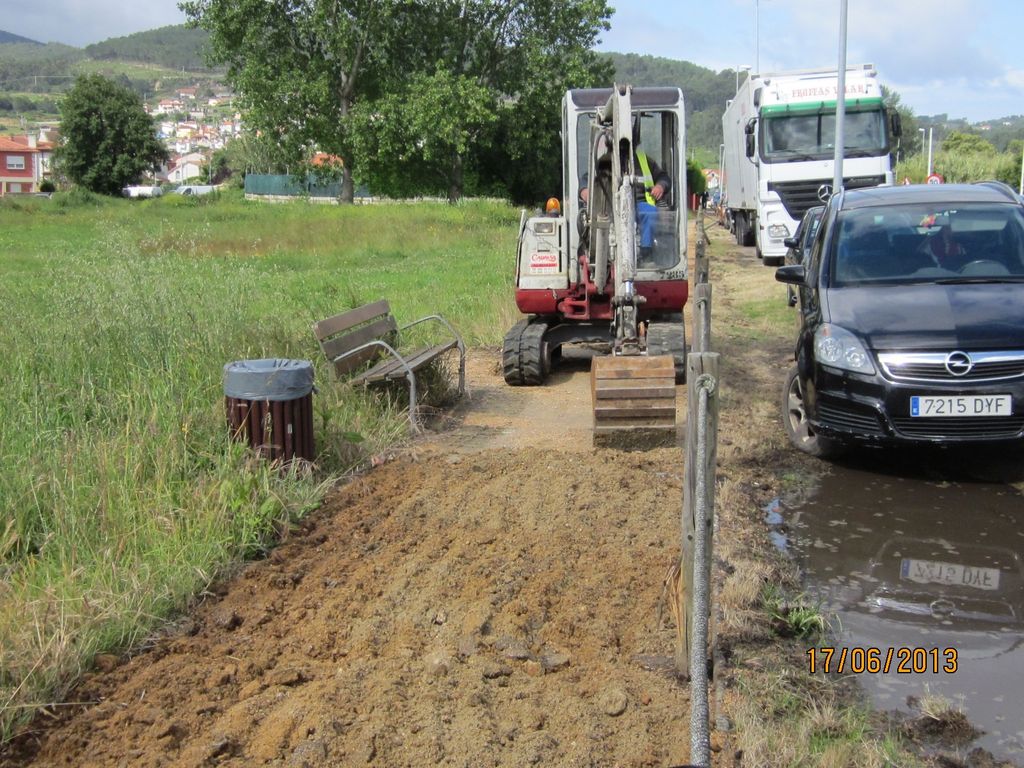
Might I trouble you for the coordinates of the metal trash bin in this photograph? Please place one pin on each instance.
(269, 405)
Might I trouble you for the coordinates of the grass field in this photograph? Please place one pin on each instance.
(121, 495)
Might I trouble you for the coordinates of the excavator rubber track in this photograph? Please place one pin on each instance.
(634, 398)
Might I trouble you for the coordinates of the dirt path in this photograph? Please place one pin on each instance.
(491, 597)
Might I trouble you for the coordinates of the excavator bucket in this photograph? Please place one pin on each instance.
(634, 399)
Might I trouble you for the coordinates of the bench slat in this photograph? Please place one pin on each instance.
(339, 345)
(346, 320)
(392, 369)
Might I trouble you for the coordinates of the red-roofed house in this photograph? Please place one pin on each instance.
(20, 165)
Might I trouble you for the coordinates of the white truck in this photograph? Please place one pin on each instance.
(778, 150)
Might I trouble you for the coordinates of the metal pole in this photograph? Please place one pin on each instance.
(930, 132)
(700, 747)
(1020, 189)
(837, 179)
(757, 35)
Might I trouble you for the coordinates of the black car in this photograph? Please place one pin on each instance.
(912, 320)
(799, 245)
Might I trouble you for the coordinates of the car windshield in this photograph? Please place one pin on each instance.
(926, 242)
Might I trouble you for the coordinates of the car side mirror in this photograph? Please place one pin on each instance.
(791, 242)
(793, 274)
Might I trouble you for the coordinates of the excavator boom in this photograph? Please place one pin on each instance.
(633, 391)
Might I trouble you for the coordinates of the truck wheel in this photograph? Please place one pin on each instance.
(739, 227)
(748, 232)
(524, 356)
(773, 261)
(794, 420)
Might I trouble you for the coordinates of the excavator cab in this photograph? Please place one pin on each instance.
(610, 271)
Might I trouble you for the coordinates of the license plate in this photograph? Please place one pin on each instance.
(962, 405)
(953, 574)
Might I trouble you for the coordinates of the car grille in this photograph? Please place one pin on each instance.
(931, 366)
(798, 196)
(961, 428)
(848, 419)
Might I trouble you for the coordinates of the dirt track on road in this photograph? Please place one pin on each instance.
(491, 595)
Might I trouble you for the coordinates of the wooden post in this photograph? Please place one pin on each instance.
(701, 265)
(701, 373)
(702, 317)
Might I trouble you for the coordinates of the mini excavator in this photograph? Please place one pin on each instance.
(616, 280)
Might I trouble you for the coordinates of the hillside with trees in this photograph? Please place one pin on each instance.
(704, 90)
(8, 37)
(174, 47)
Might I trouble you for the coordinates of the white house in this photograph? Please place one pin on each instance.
(186, 167)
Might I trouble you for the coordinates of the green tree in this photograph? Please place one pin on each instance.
(477, 94)
(958, 143)
(302, 67)
(299, 66)
(417, 139)
(910, 140)
(109, 140)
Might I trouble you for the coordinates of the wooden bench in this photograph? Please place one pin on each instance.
(360, 336)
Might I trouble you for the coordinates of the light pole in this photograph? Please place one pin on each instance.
(921, 131)
(930, 132)
(740, 68)
(1020, 189)
(837, 181)
(757, 35)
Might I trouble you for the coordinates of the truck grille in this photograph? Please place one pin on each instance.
(931, 366)
(798, 196)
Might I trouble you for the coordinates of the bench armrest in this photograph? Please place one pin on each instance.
(439, 319)
(458, 343)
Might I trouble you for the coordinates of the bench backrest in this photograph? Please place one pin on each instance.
(349, 330)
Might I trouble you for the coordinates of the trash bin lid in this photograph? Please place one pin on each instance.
(268, 379)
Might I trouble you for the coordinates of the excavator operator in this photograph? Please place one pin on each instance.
(657, 183)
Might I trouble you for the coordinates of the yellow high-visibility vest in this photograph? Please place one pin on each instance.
(647, 176)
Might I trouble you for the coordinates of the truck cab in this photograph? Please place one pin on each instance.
(780, 145)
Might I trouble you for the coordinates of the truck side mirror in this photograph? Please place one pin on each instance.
(897, 124)
(750, 145)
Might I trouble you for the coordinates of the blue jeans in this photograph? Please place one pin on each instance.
(646, 217)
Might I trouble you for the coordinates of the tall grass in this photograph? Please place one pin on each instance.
(962, 167)
(121, 495)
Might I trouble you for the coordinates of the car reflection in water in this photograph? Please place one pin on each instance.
(924, 564)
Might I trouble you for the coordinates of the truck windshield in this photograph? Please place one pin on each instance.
(791, 137)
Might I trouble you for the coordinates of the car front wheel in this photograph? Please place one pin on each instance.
(794, 419)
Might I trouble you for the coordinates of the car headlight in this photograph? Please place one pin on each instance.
(837, 347)
(778, 231)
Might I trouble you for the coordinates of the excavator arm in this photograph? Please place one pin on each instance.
(633, 392)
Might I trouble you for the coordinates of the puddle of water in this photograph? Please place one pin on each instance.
(907, 561)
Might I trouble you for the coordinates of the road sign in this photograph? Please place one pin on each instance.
(935, 178)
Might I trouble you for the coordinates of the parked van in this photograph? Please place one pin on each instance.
(195, 189)
(142, 191)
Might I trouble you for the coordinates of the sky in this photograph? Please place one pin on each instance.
(960, 57)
